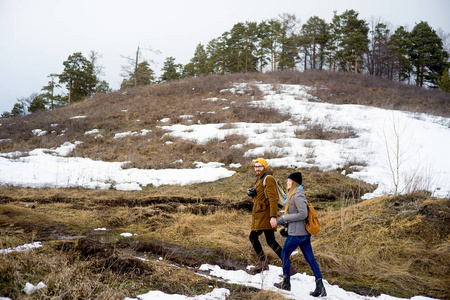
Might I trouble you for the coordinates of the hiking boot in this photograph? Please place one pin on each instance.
(263, 266)
(292, 272)
(285, 284)
(320, 289)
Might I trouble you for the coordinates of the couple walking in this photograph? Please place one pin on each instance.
(264, 220)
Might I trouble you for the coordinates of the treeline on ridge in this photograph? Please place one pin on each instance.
(346, 44)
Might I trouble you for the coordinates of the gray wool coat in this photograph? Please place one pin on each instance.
(294, 219)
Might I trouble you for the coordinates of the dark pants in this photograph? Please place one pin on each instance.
(270, 239)
(304, 241)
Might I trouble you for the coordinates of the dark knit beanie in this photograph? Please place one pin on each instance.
(297, 177)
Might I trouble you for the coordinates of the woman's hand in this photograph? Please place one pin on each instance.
(273, 222)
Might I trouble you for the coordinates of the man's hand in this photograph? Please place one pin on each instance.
(273, 222)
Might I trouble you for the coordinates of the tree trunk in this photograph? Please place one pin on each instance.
(274, 68)
(356, 61)
(136, 67)
(52, 98)
(261, 64)
(246, 58)
(70, 91)
(330, 64)
(223, 65)
(314, 52)
(306, 58)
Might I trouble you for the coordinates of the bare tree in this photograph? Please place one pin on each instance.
(131, 69)
(407, 170)
(93, 58)
(394, 153)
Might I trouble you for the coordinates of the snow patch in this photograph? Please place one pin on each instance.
(21, 248)
(30, 288)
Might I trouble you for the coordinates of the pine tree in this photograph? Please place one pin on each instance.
(399, 45)
(143, 75)
(198, 65)
(262, 49)
(353, 38)
(444, 81)
(380, 50)
(288, 56)
(315, 37)
(102, 87)
(240, 46)
(332, 44)
(79, 77)
(6, 115)
(250, 39)
(427, 54)
(49, 89)
(171, 70)
(216, 53)
(273, 40)
(137, 71)
(18, 110)
(38, 103)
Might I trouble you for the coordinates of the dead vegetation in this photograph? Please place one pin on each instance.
(394, 245)
(397, 245)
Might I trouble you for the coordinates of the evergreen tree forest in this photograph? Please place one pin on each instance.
(346, 44)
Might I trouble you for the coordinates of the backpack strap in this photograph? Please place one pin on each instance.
(264, 183)
(263, 178)
(293, 201)
(305, 221)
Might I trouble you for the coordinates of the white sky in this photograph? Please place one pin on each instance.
(37, 36)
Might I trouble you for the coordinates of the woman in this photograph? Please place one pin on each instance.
(295, 212)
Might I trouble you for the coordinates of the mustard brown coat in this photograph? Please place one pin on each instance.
(264, 208)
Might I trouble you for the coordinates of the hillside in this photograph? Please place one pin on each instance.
(207, 221)
(146, 106)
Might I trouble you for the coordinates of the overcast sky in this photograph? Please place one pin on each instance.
(36, 37)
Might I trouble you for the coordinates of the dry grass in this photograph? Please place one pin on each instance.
(395, 245)
(385, 245)
(72, 276)
(103, 265)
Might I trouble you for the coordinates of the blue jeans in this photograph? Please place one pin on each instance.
(291, 243)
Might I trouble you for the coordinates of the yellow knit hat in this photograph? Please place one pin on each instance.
(261, 161)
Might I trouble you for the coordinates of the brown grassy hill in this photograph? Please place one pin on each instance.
(144, 107)
(396, 245)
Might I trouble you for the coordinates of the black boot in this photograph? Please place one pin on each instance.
(320, 289)
(285, 284)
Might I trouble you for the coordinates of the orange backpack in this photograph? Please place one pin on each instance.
(312, 223)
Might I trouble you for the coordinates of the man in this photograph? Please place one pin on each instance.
(264, 209)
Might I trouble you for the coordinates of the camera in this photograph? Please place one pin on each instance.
(251, 192)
